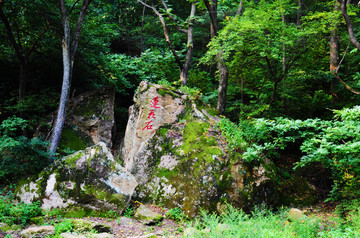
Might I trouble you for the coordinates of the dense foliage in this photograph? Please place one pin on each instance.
(335, 144)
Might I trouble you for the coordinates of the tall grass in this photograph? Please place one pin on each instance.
(265, 223)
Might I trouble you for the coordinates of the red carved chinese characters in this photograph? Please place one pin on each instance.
(148, 126)
(153, 104)
(151, 114)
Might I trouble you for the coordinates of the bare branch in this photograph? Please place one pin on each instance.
(73, 6)
(173, 19)
(75, 41)
(166, 34)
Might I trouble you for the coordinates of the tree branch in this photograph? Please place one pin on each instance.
(339, 78)
(76, 37)
(173, 19)
(166, 34)
(349, 25)
(10, 33)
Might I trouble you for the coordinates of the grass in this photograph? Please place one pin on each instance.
(264, 223)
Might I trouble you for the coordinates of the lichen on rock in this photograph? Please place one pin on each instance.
(88, 179)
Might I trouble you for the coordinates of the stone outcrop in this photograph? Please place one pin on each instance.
(89, 120)
(174, 148)
(87, 180)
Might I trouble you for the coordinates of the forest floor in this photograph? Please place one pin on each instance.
(130, 227)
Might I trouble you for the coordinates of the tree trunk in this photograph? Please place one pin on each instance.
(61, 115)
(142, 29)
(223, 83)
(223, 71)
(190, 47)
(69, 48)
(22, 78)
(299, 13)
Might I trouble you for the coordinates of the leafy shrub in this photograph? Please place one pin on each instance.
(175, 214)
(335, 144)
(18, 214)
(19, 156)
(64, 226)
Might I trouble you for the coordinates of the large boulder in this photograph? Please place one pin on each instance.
(87, 180)
(174, 149)
(89, 120)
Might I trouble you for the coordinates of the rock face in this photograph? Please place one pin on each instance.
(89, 120)
(175, 150)
(86, 180)
(177, 155)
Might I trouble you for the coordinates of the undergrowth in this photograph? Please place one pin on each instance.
(265, 223)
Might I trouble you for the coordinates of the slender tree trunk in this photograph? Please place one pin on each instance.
(22, 79)
(69, 48)
(299, 13)
(223, 84)
(223, 71)
(190, 47)
(142, 29)
(334, 48)
(61, 115)
(66, 51)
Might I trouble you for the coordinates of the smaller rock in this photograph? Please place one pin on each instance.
(38, 231)
(4, 227)
(146, 216)
(190, 232)
(145, 236)
(102, 235)
(125, 221)
(295, 214)
(71, 235)
(81, 225)
(86, 235)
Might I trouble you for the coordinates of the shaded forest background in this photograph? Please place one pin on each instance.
(285, 73)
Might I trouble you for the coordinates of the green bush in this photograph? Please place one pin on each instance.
(333, 143)
(19, 156)
(20, 213)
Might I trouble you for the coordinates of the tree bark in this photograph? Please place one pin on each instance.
(69, 47)
(142, 29)
(223, 70)
(299, 13)
(190, 47)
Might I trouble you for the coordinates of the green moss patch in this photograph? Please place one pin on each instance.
(73, 140)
